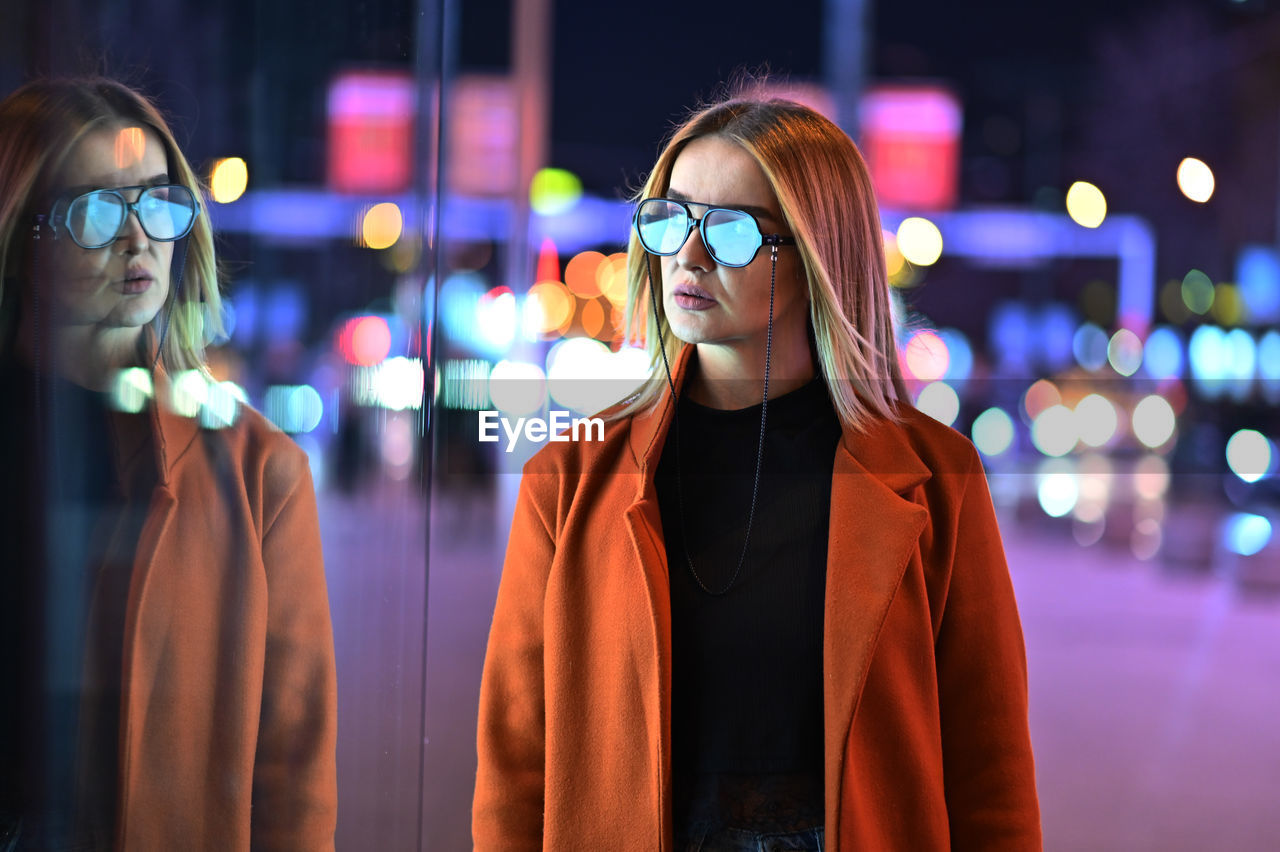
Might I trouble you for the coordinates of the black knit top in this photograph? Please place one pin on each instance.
(747, 733)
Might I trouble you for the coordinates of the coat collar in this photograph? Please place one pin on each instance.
(881, 450)
(159, 426)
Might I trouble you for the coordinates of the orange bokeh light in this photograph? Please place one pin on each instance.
(555, 305)
(580, 274)
(592, 318)
(611, 278)
(131, 145)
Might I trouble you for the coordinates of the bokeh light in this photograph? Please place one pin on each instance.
(1090, 344)
(1057, 491)
(1153, 421)
(398, 384)
(296, 409)
(548, 308)
(365, 340)
(517, 388)
(893, 259)
(927, 357)
(959, 354)
(1249, 455)
(1228, 307)
(554, 191)
(592, 318)
(1041, 395)
(580, 274)
(1162, 354)
(131, 390)
(1246, 534)
(381, 226)
(992, 432)
(1195, 179)
(1096, 420)
(939, 401)
(1197, 292)
(1086, 204)
(222, 407)
(130, 146)
(611, 278)
(496, 318)
(1151, 477)
(920, 241)
(190, 391)
(1124, 352)
(1054, 431)
(228, 179)
(1145, 539)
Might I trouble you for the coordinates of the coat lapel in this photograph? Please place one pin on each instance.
(146, 626)
(874, 531)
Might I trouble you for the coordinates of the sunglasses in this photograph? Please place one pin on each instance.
(96, 219)
(732, 237)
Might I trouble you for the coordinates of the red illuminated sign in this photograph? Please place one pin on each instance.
(371, 116)
(911, 140)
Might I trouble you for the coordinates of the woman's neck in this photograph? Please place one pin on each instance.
(86, 355)
(725, 378)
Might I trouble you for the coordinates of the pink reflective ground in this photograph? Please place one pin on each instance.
(1155, 696)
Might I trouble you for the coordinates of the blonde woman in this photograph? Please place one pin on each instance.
(166, 616)
(770, 610)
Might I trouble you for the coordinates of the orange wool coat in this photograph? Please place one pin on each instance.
(229, 692)
(925, 690)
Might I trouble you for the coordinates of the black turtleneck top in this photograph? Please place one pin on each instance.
(747, 733)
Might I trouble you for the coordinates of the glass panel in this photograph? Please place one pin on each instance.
(239, 540)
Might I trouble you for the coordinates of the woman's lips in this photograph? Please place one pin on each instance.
(136, 282)
(692, 298)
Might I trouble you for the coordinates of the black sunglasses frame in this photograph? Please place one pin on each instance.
(695, 221)
(63, 205)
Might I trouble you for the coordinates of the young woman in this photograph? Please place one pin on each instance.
(770, 610)
(168, 651)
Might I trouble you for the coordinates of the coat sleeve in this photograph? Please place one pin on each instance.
(511, 740)
(295, 790)
(988, 771)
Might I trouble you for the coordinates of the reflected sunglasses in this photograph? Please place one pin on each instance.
(732, 237)
(96, 219)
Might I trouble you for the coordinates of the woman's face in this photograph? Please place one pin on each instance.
(121, 287)
(720, 306)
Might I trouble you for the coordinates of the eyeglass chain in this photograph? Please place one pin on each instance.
(764, 409)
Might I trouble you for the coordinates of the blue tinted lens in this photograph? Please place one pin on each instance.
(662, 226)
(95, 219)
(166, 212)
(732, 236)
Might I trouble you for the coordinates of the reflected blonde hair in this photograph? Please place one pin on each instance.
(40, 125)
(824, 189)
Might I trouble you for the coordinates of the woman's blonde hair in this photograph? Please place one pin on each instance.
(828, 204)
(40, 125)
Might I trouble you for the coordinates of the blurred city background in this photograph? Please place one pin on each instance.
(422, 205)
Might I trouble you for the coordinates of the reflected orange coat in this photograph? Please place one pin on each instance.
(228, 716)
(925, 695)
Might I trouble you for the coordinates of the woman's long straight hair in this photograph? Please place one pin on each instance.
(824, 189)
(40, 125)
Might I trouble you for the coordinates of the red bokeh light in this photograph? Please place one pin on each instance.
(365, 341)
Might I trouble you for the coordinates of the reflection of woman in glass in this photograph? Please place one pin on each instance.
(169, 674)
(776, 612)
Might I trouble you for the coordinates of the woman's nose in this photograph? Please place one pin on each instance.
(693, 254)
(132, 237)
